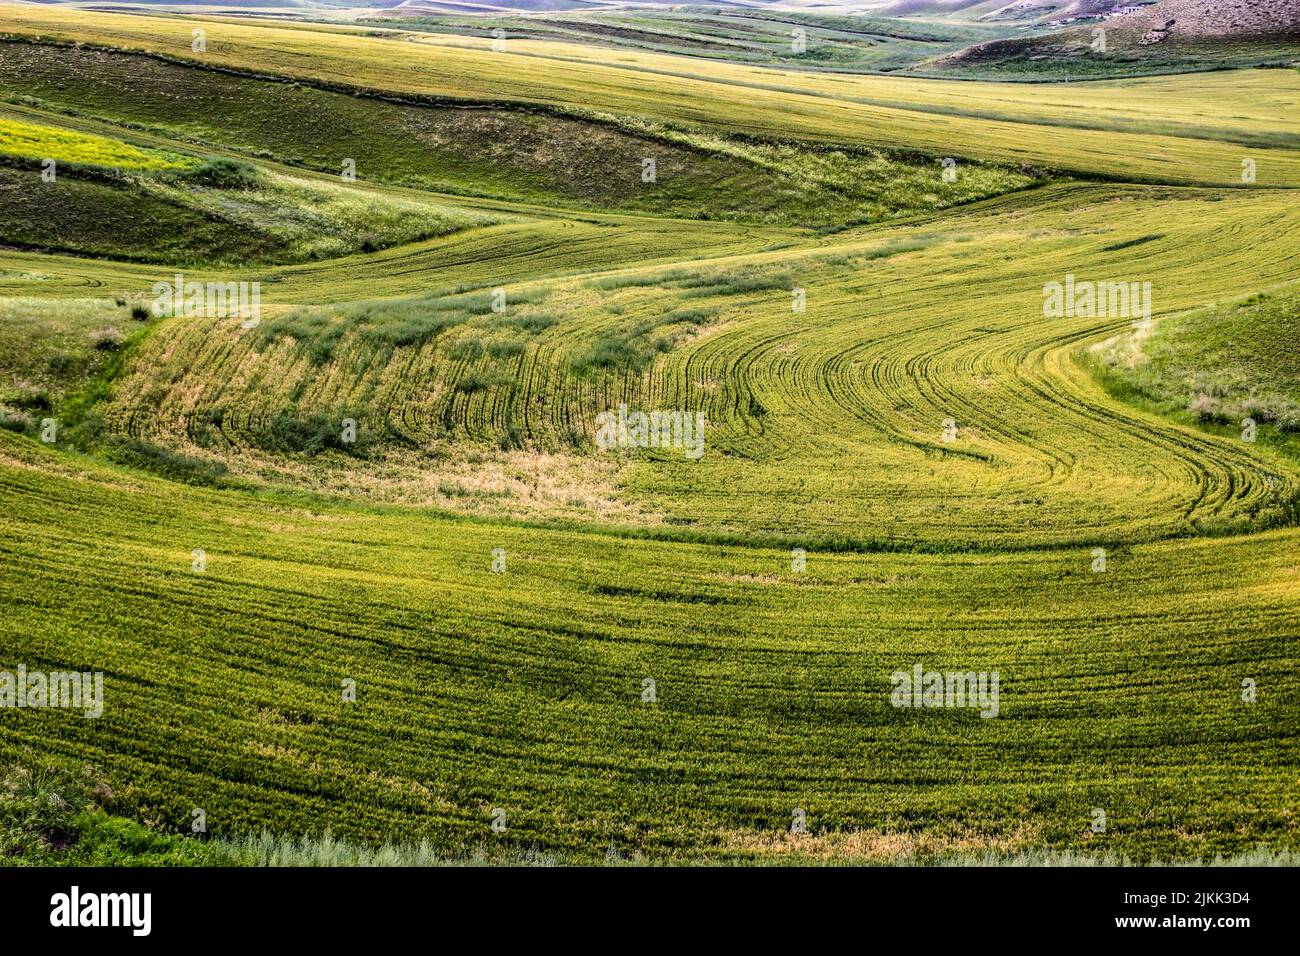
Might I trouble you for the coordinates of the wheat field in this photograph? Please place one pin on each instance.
(907, 460)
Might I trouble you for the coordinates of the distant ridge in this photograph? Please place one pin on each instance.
(1147, 32)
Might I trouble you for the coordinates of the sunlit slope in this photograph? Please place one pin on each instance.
(822, 424)
(516, 153)
(1121, 670)
(462, 72)
(1246, 106)
(1216, 367)
(487, 256)
(523, 690)
(25, 140)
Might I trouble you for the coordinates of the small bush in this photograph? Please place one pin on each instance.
(38, 808)
(465, 349)
(634, 345)
(476, 380)
(32, 398)
(223, 173)
(505, 348)
(107, 340)
(401, 330)
(1207, 409)
(613, 350)
(531, 323)
(395, 324)
(511, 439)
(733, 284)
(310, 435)
(166, 462)
(317, 333)
(62, 363)
(480, 303)
(16, 421)
(691, 317)
(610, 283)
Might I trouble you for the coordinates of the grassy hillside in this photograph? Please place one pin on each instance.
(53, 348)
(1217, 367)
(36, 141)
(737, 34)
(902, 331)
(50, 817)
(535, 247)
(111, 199)
(640, 655)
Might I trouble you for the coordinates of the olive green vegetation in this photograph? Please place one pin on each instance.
(812, 393)
(366, 651)
(859, 44)
(1070, 54)
(50, 348)
(523, 690)
(1150, 130)
(50, 817)
(35, 141)
(1216, 367)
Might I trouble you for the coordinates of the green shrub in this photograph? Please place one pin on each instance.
(395, 324)
(403, 328)
(107, 340)
(634, 346)
(614, 350)
(510, 438)
(733, 284)
(33, 399)
(691, 317)
(223, 173)
(309, 435)
(52, 817)
(466, 348)
(62, 363)
(38, 808)
(317, 332)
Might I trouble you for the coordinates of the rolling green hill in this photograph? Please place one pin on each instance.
(720, 337)
(1104, 132)
(738, 34)
(1216, 367)
(113, 200)
(493, 150)
(224, 687)
(1168, 36)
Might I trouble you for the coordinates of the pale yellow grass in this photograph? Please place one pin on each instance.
(469, 480)
(876, 846)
